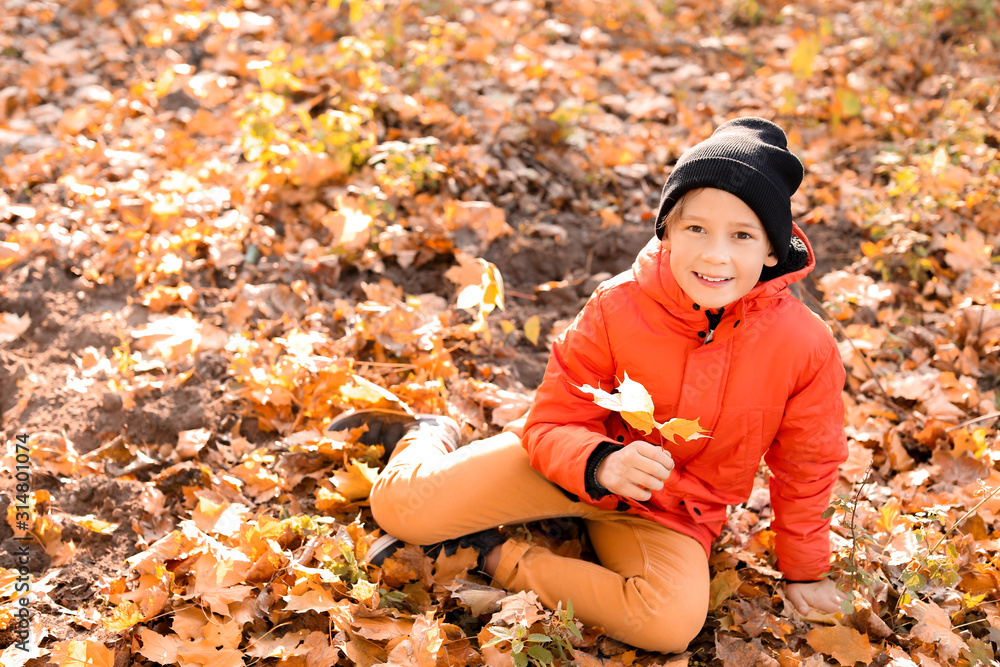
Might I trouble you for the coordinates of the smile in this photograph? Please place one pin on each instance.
(712, 280)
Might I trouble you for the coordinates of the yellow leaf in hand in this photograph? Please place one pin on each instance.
(636, 408)
(642, 421)
(635, 398)
(689, 429)
(605, 400)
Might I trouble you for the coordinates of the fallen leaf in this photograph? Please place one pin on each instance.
(82, 653)
(478, 598)
(532, 329)
(845, 645)
(355, 481)
(90, 523)
(12, 326)
(158, 648)
(724, 585)
(934, 627)
(522, 607)
(736, 651)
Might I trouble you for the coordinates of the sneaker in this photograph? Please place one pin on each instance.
(381, 549)
(483, 542)
(387, 427)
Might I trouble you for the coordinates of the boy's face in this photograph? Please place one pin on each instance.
(717, 248)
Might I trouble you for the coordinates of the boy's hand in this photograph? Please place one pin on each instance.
(635, 470)
(822, 595)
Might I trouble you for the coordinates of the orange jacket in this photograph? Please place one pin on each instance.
(767, 384)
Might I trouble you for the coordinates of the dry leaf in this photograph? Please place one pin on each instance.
(934, 627)
(12, 326)
(82, 653)
(522, 607)
(736, 651)
(845, 645)
(532, 329)
(355, 481)
(972, 252)
(724, 585)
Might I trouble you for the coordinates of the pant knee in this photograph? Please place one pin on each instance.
(403, 509)
(670, 622)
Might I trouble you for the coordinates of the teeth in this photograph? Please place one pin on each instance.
(712, 280)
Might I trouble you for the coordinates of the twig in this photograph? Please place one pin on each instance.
(854, 537)
(962, 519)
(106, 447)
(992, 415)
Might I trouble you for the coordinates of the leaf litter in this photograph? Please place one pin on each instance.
(224, 223)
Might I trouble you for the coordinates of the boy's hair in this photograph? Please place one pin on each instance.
(746, 157)
(677, 210)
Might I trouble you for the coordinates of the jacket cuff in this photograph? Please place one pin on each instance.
(590, 483)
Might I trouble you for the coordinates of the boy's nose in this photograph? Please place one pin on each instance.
(716, 253)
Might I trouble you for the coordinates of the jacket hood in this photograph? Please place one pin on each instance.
(652, 272)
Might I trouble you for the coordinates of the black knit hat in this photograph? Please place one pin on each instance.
(747, 157)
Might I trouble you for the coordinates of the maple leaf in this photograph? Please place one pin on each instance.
(190, 442)
(216, 582)
(724, 585)
(487, 221)
(82, 653)
(969, 253)
(522, 607)
(737, 652)
(369, 392)
(422, 646)
(205, 653)
(845, 645)
(158, 648)
(362, 652)
(478, 598)
(314, 598)
(635, 405)
(355, 481)
(220, 518)
(447, 568)
(934, 627)
(15, 655)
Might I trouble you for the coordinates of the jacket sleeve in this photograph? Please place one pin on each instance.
(804, 459)
(564, 425)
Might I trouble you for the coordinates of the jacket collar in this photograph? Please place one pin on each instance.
(652, 271)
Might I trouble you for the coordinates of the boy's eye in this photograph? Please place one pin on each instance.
(744, 235)
(695, 228)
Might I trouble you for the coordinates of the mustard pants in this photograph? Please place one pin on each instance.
(650, 590)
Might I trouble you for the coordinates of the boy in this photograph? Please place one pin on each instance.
(705, 322)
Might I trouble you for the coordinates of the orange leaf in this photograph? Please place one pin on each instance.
(688, 429)
(88, 653)
(736, 651)
(934, 627)
(158, 648)
(845, 645)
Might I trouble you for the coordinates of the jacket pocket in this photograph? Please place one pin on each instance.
(730, 460)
